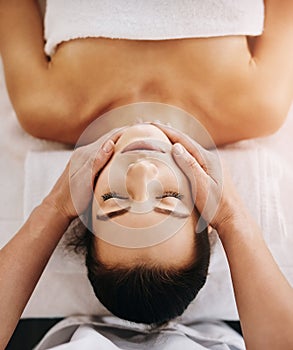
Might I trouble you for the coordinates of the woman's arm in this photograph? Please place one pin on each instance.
(272, 60)
(25, 64)
(22, 46)
(39, 97)
(255, 99)
(263, 295)
(22, 262)
(24, 257)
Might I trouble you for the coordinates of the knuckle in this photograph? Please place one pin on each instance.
(77, 155)
(191, 162)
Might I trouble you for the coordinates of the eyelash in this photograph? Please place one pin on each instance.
(110, 195)
(174, 194)
(170, 194)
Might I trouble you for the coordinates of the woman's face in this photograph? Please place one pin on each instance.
(142, 193)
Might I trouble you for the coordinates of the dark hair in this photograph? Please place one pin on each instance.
(146, 293)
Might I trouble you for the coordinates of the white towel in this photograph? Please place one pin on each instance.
(150, 20)
(42, 170)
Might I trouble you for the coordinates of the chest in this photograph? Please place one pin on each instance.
(193, 74)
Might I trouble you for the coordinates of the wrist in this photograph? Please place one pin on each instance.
(44, 219)
(53, 209)
(240, 225)
(231, 212)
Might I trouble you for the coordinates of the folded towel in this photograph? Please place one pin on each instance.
(42, 170)
(150, 20)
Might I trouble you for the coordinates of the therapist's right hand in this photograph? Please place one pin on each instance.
(73, 191)
(214, 193)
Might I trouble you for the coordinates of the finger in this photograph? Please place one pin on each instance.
(205, 192)
(114, 135)
(173, 134)
(190, 167)
(102, 157)
(176, 136)
(200, 181)
(85, 156)
(188, 164)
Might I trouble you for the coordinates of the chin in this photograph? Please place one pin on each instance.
(140, 132)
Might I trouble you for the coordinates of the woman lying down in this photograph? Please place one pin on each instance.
(178, 183)
(236, 87)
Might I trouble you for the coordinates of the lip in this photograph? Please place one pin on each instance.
(143, 146)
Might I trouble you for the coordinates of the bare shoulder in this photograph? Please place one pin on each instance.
(249, 105)
(256, 97)
(46, 108)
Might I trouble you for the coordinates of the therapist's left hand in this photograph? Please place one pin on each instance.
(73, 191)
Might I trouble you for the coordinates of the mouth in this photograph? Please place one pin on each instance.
(144, 146)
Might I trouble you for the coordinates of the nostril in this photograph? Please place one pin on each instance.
(143, 168)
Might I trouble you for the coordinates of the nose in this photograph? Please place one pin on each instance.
(138, 176)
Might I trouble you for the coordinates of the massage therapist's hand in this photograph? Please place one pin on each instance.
(213, 191)
(73, 191)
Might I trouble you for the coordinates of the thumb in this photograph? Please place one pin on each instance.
(102, 157)
(200, 184)
(188, 164)
(193, 171)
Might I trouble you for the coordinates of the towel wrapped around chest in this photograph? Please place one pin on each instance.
(150, 20)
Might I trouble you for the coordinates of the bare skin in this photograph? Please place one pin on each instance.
(237, 87)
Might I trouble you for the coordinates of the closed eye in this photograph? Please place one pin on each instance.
(166, 194)
(110, 195)
(171, 194)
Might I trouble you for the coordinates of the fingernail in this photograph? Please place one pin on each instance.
(108, 146)
(157, 122)
(178, 149)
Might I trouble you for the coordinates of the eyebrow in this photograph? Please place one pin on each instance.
(114, 214)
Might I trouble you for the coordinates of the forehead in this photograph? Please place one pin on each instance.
(177, 251)
(133, 219)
